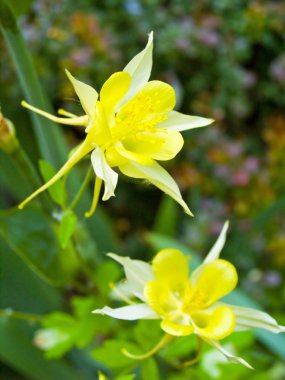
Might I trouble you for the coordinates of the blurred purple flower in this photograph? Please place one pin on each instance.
(222, 171)
(82, 56)
(251, 164)
(249, 78)
(272, 279)
(277, 69)
(208, 37)
(234, 149)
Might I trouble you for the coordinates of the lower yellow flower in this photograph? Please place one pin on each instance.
(187, 304)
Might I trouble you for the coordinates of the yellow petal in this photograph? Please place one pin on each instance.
(172, 143)
(166, 293)
(159, 177)
(136, 157)
(157, 297)
(177, 121)
(157, 97)
(172, 328)
(83, 149)
(170, 265)
(112, 92)
(98, 132)
(87, 95)
(215, 280)
(139, 68)
(159, 144)
(214, 324)
(105, 172)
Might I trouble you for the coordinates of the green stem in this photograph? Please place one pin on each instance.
(82, 189)
(20, 315)
(162, 343)
(198, 354)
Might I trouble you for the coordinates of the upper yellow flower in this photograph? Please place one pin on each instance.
(130, 125)
(187, 304)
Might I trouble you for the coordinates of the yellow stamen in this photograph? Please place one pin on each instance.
(61, 111)
(97, 188)
(80, 120)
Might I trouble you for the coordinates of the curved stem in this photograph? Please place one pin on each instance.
(163, 342)
(97, 188)
(20, 315)
(82, 189)
(198, 355)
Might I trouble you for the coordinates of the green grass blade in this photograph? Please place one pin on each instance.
(49, 138)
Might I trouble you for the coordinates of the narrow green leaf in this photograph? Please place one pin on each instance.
(166, 218)
(131, 376)
(56, 191)
(26, 287)
(50, 140)
(67, 227)
(86, 246)
(30, 234)
(21, 7)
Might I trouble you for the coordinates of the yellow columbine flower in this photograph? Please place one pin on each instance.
(130, 125)
(187, 304)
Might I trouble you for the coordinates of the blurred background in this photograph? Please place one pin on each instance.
(226, 61)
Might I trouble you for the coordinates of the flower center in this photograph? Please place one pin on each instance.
(137, 119)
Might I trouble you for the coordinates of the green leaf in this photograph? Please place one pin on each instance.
(131, 376)
(17, 350)
(57, 336)
(180, 348)
(20, 7)
(110, 354)
(106, 273)
(167, 217)
(48, 135)
(85, 245)
(149, 370)
(61, 332)
(29, 233)
(24, 291)
(67, 226)
(147, 333)
(56, 191)
(7, 17)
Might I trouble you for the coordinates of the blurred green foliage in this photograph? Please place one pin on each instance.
(226, 61)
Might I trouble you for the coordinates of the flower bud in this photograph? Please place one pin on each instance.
(8, 139)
